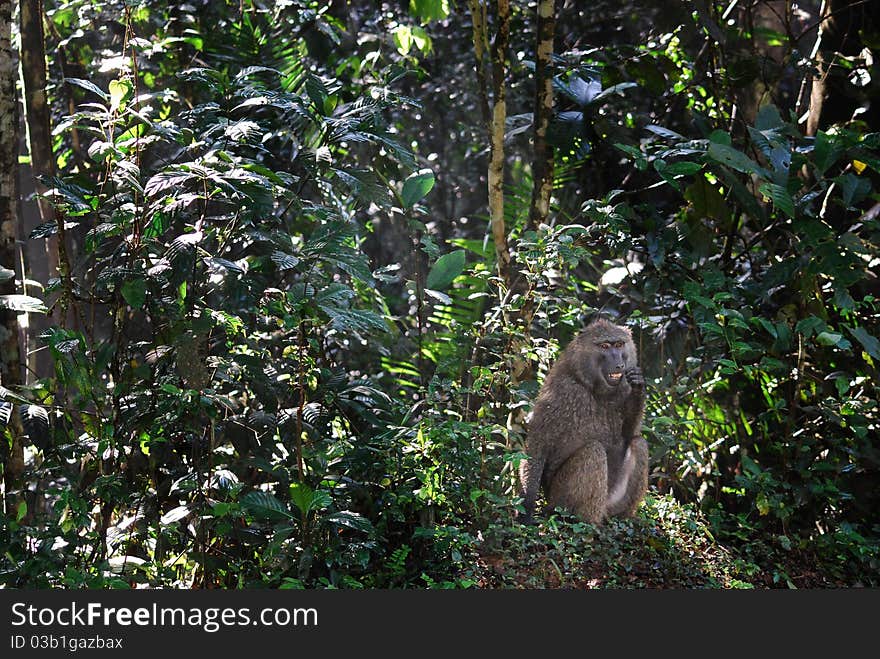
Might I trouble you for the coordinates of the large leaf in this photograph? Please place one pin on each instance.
(120, 91)
(307, 499)
(167, 180)
(768, 118)
(23, 303)
(734, 159)
(174, 515)
(356, 319)
(826, 151)
(662, 131)
(135, 293)
(582, 91)
(445, 270)
(352, 520)
(429, 10)
(869, 342)
(44, 230)
(284, 261)
(833, 339)
(88, 85)
(416, 186)
(265, 506)
(781, 198)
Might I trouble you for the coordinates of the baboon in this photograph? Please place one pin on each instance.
(584, 445)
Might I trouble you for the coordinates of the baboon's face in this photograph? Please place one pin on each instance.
(602, 354)
(611, 357)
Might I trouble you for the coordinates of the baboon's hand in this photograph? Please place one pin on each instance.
(636, 378)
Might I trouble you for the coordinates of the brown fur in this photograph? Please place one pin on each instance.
(584, 444)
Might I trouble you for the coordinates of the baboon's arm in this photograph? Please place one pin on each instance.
(530, 472)
(634, 406)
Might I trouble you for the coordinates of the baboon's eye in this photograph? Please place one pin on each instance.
(605, 346)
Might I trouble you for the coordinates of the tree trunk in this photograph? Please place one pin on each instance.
(478, 20)
(496, 164)
(33, 65)
(542, 162)
(10, 354)
(845, 32)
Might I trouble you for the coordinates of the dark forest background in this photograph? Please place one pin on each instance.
(281, 281)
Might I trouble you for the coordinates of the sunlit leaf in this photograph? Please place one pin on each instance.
(120, 92)
(22, 303)
(351, 520)
(174, 515)
(87, 85)
(416, 186)
(445, 270)
(429, 10)
(307, 499)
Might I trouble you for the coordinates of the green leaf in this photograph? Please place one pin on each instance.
(352, 520)
(429, 10)
(707, 200)
(826, 151)
(734, 159)
(683, 167)
(853, 189)
(781, 198)
(120, 91)
(135, 293)
(869, 342)
(403, 40)
(416, 186)
(833, 339)
(22, 303)
(445, 270)
(719, 136)
(421, 39)
(284, 261)
(88, 85)
(307, 499)
(635, 154)
(21, 511)
(768, 118)
(809, 325)
(264, 505)
(355, 319)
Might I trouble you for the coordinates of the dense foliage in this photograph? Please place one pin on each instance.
(284, 355)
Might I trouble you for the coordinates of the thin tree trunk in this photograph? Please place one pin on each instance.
(496, 164)
(33, 65)
(10, 352)
(542, 167)
(817, 91)
(478, 20)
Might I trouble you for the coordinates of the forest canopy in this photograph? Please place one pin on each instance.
(281, 281)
